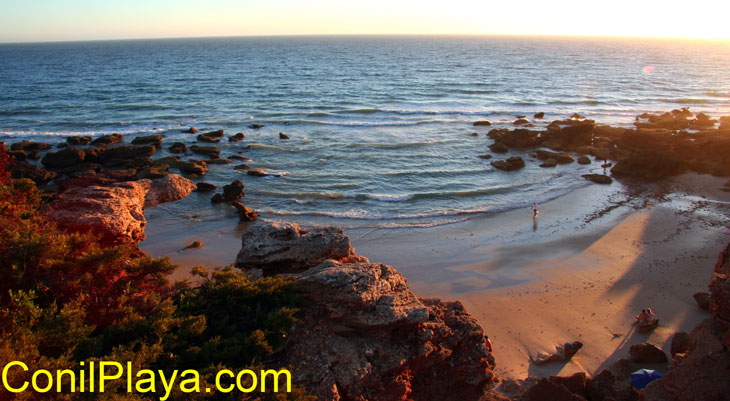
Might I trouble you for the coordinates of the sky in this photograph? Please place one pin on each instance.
(62, 20)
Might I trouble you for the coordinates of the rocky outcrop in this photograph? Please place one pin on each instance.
(278, 247)
(598, 178)
(366, 336)
(115, 212)
(701, 372)
(237, 138)
(148, 140)
(210, 151)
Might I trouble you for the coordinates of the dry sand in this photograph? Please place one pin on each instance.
(578, 281)
(582, 271)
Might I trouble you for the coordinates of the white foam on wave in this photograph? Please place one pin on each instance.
(390, 197)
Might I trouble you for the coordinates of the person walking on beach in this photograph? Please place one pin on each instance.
(535, 210)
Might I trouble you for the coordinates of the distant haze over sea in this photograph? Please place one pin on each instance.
(380, 125)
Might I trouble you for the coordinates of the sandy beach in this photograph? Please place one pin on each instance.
(582, 271)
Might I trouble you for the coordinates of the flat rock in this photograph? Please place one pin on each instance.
(148, 140)
(276, 247)
(498, 147)
(115, 212)
(210, 151)
(482, 123)
(598, 178)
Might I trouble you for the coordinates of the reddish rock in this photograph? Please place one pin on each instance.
(498, 147)
(233, 191)
(703, 300)
(191, 130)
(178, 147)
(210, 151)
(236, 138)
(207, 138)
(647, 353)
(283, 136)
(148, 140)
(276, 247)
(482, 123)
(115, 212)
(244, 213)
(107, 140)
(520, 138)
(205, 187)
(366, 336)
(23, 169)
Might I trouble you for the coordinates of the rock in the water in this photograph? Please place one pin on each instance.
(513, 163)
(205, 187)
(215, 134)
(115, 212)
(256, 126)
(107, 140)
(482, 123)
(78, 140)
(598, 178)
(30, 147)
(244, 213)
(178, 147)
(207, 138)
(255, 172)
(498, 147)
(236, 138)
(148, 140)
(191, 130)
(485, 157)
(703, 300)
(218, 161)
(283, 136)
(647, 353)
(217, 198)
(561, 158)
(584, 160)
(521, 121)
(210, 151)
(276, 247)
(121, 156)
(520, 138)
(63, 158)
(233, 191)
(539, 115)
(549, 163)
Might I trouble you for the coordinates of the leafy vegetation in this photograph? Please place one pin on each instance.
(65, 299)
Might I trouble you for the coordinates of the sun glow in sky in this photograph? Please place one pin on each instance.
(53, 20)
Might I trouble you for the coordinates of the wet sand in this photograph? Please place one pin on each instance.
(581, 271)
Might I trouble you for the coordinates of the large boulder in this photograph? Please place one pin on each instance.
(277, 247)
(365, 335)
(121, 156)
(29, 146)
(210, 151)
(116, 212)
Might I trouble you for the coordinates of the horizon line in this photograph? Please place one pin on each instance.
(512, 35)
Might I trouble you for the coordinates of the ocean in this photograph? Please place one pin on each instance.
(380, 126)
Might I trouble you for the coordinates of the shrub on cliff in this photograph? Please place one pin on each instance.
(65, 299)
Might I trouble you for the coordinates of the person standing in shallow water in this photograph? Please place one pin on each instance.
(535, 210)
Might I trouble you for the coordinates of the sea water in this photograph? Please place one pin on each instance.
(380, 126)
